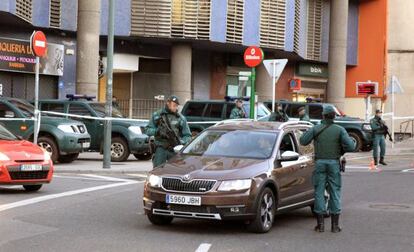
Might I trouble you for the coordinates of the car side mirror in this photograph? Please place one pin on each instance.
(289, 156)
(9, 114)
(178, 148)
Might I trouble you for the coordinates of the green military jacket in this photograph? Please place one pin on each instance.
(305, 117)
(377, 125)
(332, 143)
(278, 116)
(178, 124)
(237, 113)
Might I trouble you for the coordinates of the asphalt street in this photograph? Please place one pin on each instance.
(90, 212)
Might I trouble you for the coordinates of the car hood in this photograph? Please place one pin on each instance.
(21, 150)
(217, 168)
(348, 119)
(127, 123)
(58, 120)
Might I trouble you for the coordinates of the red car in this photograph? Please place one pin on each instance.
(23, 163)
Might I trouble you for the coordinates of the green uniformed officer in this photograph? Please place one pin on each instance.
(169, 128)
(279, 115)
(238, 112)
(303, 116)
(379, 130)
(331, 141)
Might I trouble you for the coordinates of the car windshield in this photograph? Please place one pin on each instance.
(5, 134)
(262, 110)
(26, 108)
(100, 110)
(233, 143)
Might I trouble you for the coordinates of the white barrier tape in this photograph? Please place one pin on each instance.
(17, 119)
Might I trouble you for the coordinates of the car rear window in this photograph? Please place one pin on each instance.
(54, 107)
(194, 109)
(214, 110)
(79, 110)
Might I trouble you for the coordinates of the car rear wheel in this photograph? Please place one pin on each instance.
(159, 220)
(68, 158)
(119, 150)
(357, 140)
(32, 188)
(145, 156)
(265, 213)
(48, 144)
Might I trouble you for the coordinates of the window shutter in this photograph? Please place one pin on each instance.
(55, 9)
(314, 30)
(273, 23)
(235, 12)
(151, 18)
(24, 9)
(191, 19)
(296, 39)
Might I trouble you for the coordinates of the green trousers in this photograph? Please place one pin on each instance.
(378, 140)
(327, 176)
(161, 156)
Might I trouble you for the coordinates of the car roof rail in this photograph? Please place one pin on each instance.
(234, 98)
(75, 97)
(289, 123)
(233, 121)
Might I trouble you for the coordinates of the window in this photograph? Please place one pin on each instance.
(229, 108)
(79, 110)
(5, 111)
(287, 143)
(54, 107)
(294, 110)
(194, 109)
(214, 110)
(272, 23)
(315, 111)
(304, 150)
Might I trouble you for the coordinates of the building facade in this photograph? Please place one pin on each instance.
(194, 48)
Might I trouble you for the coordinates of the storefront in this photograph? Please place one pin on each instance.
(17, 67)
(314, 78)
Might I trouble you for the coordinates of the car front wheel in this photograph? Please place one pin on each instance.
(119, 150)
(357, 140)
(265, 213)
(48, 144)
(64, 159)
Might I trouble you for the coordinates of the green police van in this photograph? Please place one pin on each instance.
(201, 114)
(127, 135)
(358, 130)
(63, 138)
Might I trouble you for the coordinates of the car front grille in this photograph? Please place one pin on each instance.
(28, 175)
(83, 140)
(197, 186)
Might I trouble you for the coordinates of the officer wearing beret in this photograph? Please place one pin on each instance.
(238, 112)
(303, 116)
(331, 141)
(169, 128)
(379, 129)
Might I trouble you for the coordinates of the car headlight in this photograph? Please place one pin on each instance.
(46, 155)
(154, 181)
(66, 128)
(135, 129)
(235, 185)
(4, 157)
(366, 127)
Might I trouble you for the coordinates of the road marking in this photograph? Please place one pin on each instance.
(408, 170)
(106, 178)
(31, 201)
(204, 247)
(137, 175)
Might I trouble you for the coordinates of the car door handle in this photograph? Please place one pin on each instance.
(303, 166)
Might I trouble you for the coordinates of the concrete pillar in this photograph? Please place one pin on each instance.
(264, 87)
(87, 59)
(338, 31)
(181, 55)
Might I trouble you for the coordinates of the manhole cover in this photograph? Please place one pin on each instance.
(388, 206)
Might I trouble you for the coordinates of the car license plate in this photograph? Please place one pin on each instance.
(183, 200)
(86, 145)
(31, 167)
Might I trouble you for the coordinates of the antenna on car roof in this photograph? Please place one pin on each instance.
(75, 97)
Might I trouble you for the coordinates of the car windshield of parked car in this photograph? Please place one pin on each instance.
(100, 110)
(5, 134)
(26, 108)
(233, 143)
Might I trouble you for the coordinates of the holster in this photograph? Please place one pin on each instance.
(342, 164)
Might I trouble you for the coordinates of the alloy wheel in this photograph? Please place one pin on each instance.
(266, 211)
(117, 150)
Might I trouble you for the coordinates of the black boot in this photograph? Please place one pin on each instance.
(320, 227)
(335, 223)
(375, 161)
(382, 161)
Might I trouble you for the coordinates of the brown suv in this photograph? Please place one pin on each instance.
(235, 170)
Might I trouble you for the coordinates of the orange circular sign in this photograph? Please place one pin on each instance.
(253, 56)
(38, 43)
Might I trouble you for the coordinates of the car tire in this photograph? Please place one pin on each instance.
(145, 156)
(265, 212)
(32, 188)
(159, 220)
(50, 146)
(65, 159)
(357, 139)
(119, 150)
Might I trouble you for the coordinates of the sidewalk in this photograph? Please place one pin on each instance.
(92, 163)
